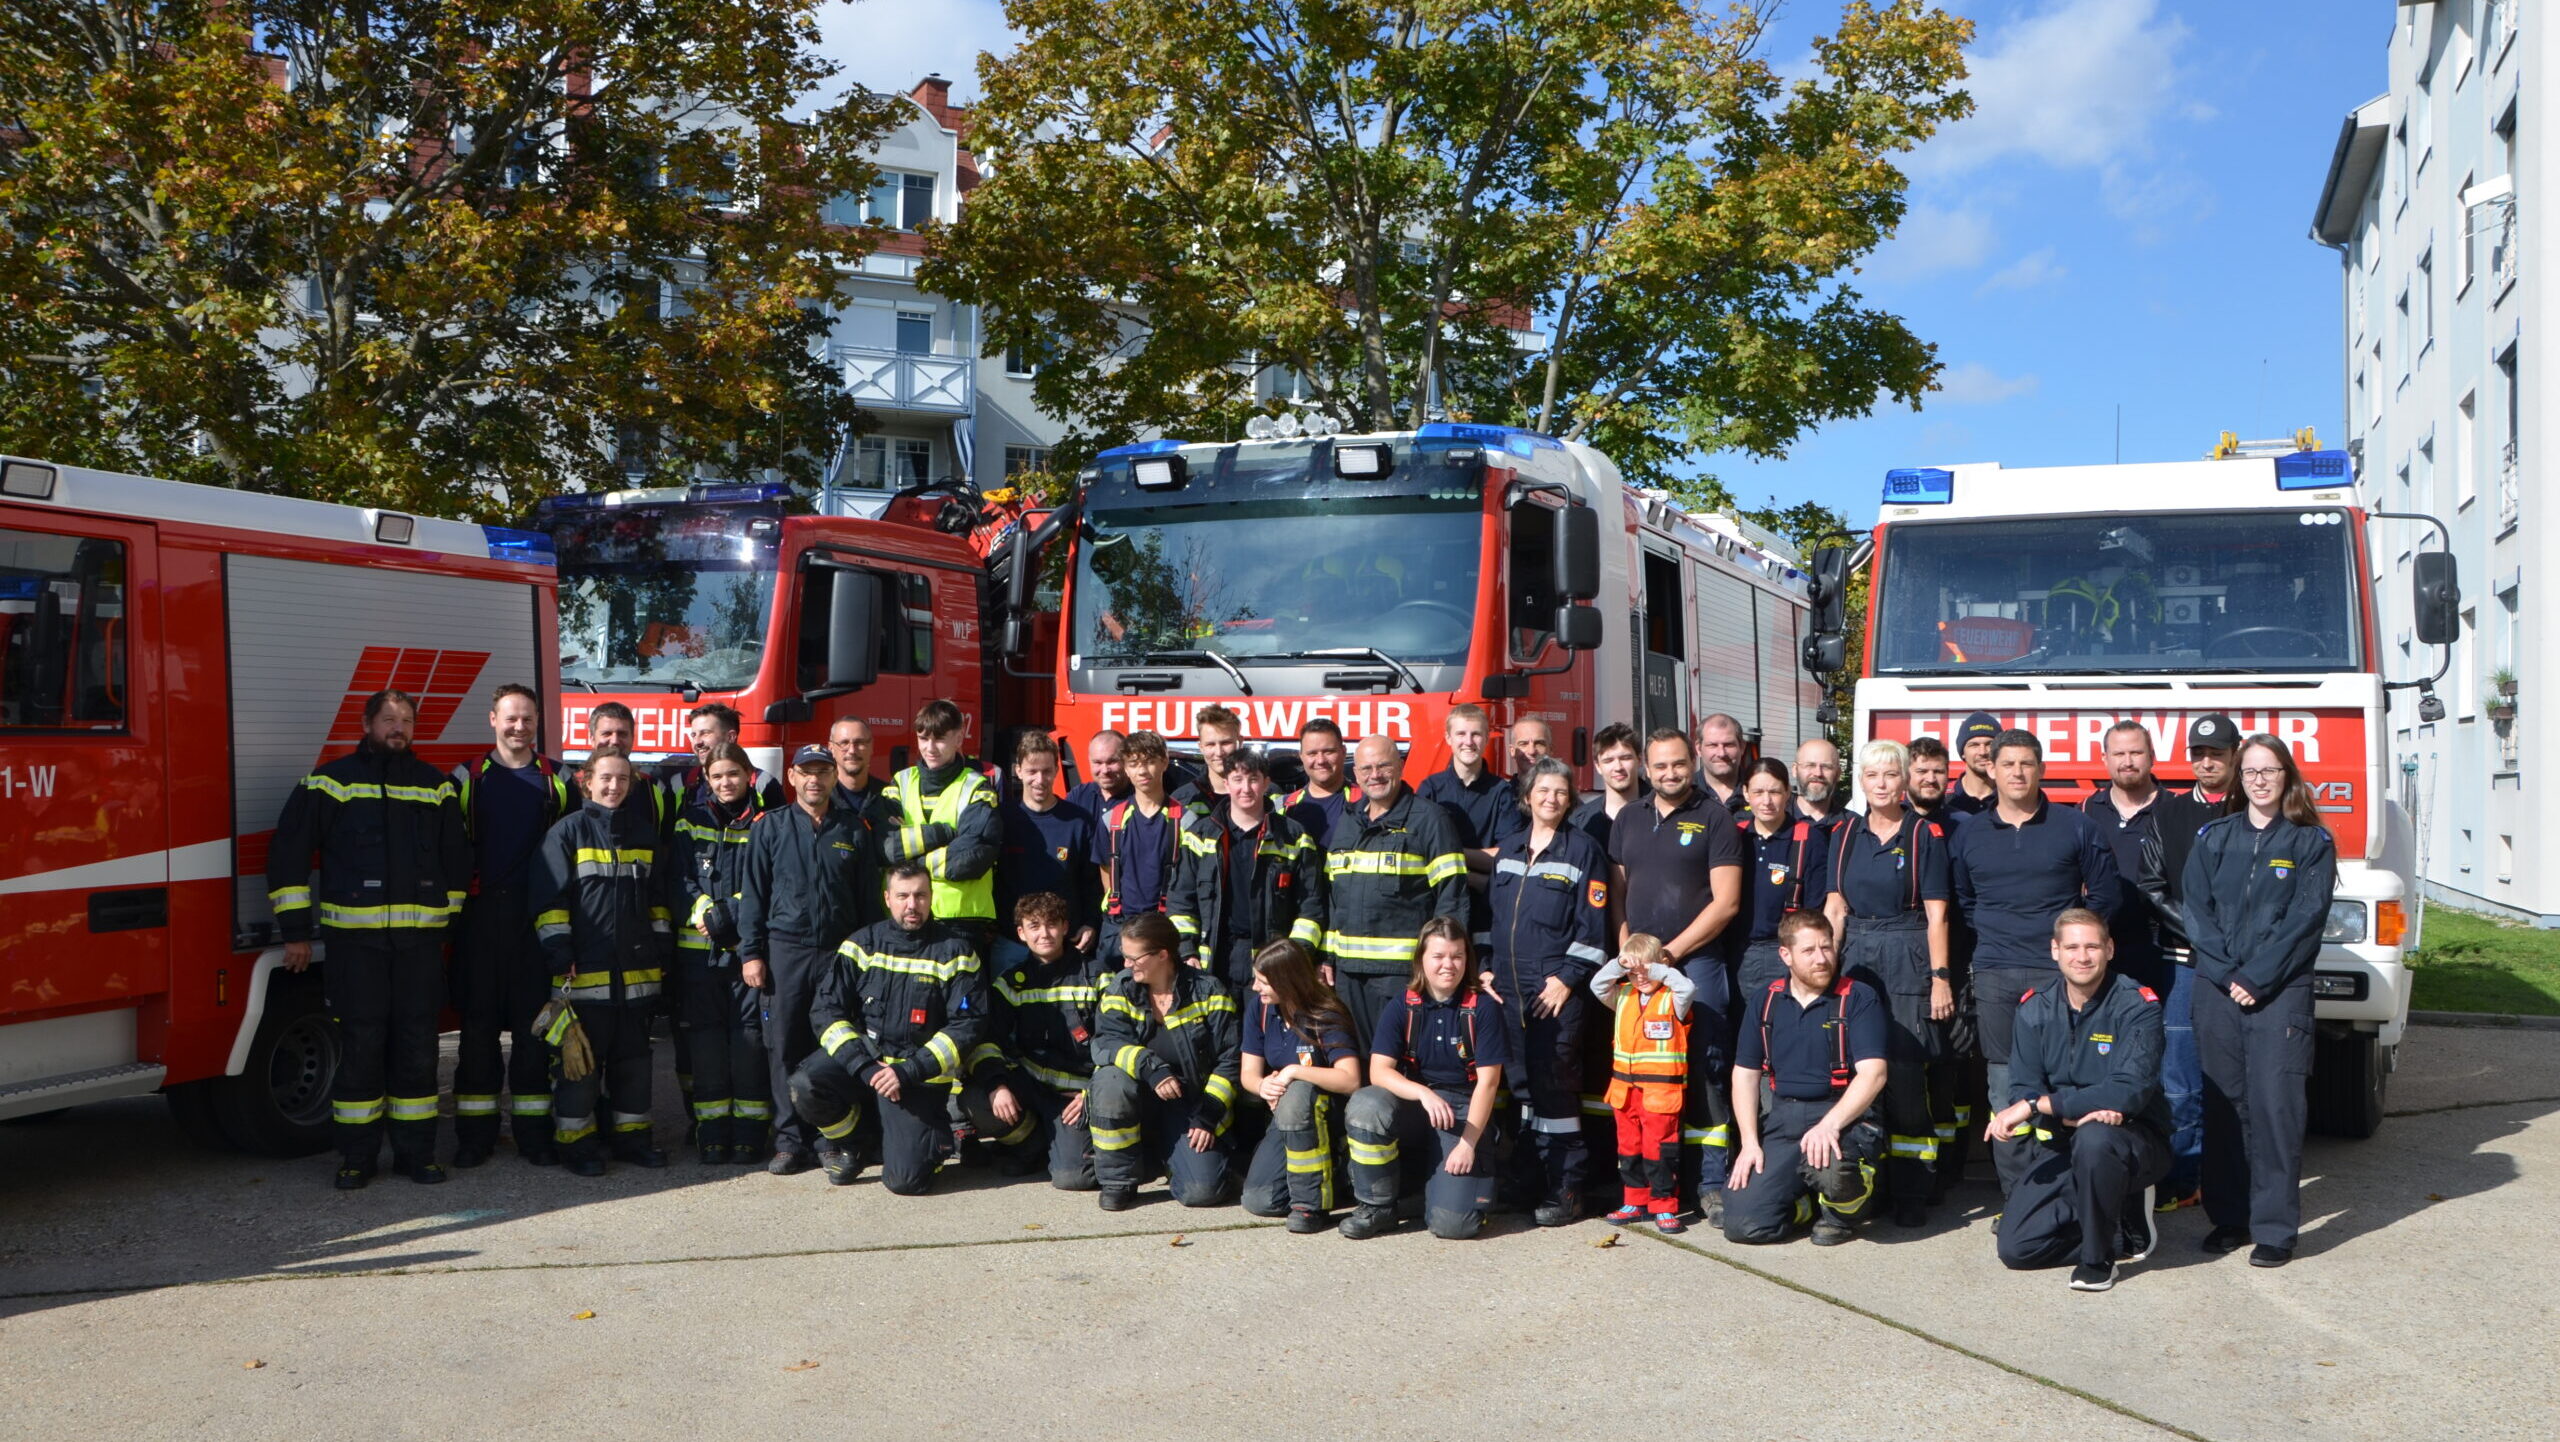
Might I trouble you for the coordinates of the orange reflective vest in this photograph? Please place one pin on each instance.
(1650, 1050)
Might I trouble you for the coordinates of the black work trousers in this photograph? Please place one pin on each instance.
(1044, 1126)
(1555, 1166)
(732, 1077)
(385, 990)
(1137, 1134)
(1786, 1189)
(1299, 1162)
(2257, 1105)
(2080, 1185)
(791, 983)
(1366, 993)
(1997, 990)
(915, 1130)
(500, 980)
(618, 1032)
(1397, 1155)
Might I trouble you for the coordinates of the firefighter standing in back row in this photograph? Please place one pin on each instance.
(1391, 864)
(511, 797)
(942, 816)
(604, 897)
(384, 831)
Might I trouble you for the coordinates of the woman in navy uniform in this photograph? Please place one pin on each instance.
(1788, 870)
(2257, 897)
(1299, 1058)
(1549, 900)
(1889, 887)
(732, 1093)
(1436, 1059)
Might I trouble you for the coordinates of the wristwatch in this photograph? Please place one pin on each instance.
(1940, 972)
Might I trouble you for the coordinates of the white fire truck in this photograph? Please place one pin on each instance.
(173, 660)
(2064, 599)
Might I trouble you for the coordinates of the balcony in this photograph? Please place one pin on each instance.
(2510, 483)
(2503, 248)
(923, 385)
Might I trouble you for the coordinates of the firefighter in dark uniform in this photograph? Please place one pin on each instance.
(810, 880)
(1168, 1048)
(604, 896)
(1247, 877)
(1318, 804)
(2257, 897)
(1888, 905)
(1481, 805)
(942, 815)
(710, 727)
(897, 1013)
(1300, 1064)
(1550, 906)
(510, 797)
(1392, 863)
(1028, 1077)
(1807, 1072)
(1138, 840)
(1789, 871)
(384, 831)
(2084, 1087)
(1423, 1130)
(732, 1095)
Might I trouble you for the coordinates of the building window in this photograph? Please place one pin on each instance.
(1018, 459)
(2506, 858)
(2399, 167)
(2400, 335)
(897, 200)
(2422, 106)
(62, 638)
(888, 462)
(2466, 451)
(915, 332)
(2424, 288)
(1023, 361)
(2466, 251)
(2426, 495)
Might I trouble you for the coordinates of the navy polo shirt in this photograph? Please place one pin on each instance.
(1804, 1043)
(1669, 860)
(1880, 878)
(2012, 881)
(1147, 848)
(1048, 850)
(1487, 812)
(1963, 803)
(510, 806)
(1088, 794)
(1271, 1038)
(1785, 874)
(1442, 1042)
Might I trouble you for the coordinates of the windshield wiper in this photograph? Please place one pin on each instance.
(568, 680)
(1371, 653)
(1212, 657)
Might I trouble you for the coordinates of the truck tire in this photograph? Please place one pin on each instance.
(279, 1104)
(191, 1105)
(2349, 1075)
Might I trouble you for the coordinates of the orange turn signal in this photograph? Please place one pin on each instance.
(2390, 923)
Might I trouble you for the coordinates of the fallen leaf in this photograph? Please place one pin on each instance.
(1035, 1226)
(583, 1317)
(2435, 1196)
(1179, 1240)
(2328, 1364)
(1610, 1240)
(803, 1365)
(252, 1365)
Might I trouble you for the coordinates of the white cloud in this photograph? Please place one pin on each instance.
(1932, 239)
(2075, 84)
(891, 44)
(2037, 268)
(1976, 384)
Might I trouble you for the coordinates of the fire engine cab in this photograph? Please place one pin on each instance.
(174, 659)
(2065, 599)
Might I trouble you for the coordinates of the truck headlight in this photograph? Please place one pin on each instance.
(2346, 923)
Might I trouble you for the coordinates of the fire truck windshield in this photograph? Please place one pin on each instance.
(2112, 595)
(666, 596)
(1281, 577)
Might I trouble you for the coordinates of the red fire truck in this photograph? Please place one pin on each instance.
(2065, 599)
(1381, 579)
(676, 596)
(173, 660)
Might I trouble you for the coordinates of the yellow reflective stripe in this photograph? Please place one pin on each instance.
(560, 1025)
(1715, 1136)
(1128, 1058)
(611, 855)
(289, 898)
(530, 1106)
(1305, 932)
(1063, 1080)
(356, 1113)
(571, 1131)
(944, 1051)
(474, 1105)
(1380, 863)
(1219, 1088)
(1444, 867)
(701, 911)
(753, 1111)
(1045, 993)
(692, 941)
(425, 795)
(1114, 1139)
(1311, 1160)
(1186, 925)
(1115, 1004)
(383, 918)
(1371, 948)
(942, 971)
(413, 1109)
(1923, 1148)
(838, 1131)
(341, 790)
(591, 980)
(1324, 1149)
(1198, 1011)
(1373, 1154)
(710, 1111)
(837, 1034)
(983, 1052)
(1198, 845)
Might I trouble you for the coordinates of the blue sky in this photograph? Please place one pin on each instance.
(2123, 220)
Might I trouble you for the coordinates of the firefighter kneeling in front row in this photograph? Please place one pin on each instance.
(1168, 1045)
(899, 1006)
(1808, 1070)
(604, 895)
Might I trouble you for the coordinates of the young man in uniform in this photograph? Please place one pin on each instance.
(1925, 782)
(849, 740)
(1221, 731)
(510, 798)
(1974, 792)
(709, 727)
(1047, 845)
(2212, 742)
(2084, 1090)
(1808, 1069)
(941, 815)
(1247, 877)
(1027, 1079)
(1618, 763)
(1318, 804)
(1484, 808)
(1138, 839)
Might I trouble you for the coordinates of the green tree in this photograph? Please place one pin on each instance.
(1373, 193)
(436, 254)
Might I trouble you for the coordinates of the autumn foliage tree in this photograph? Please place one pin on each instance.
(445, 255)
(1378, 194)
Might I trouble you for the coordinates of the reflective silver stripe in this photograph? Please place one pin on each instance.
(1566, 872)
(1580, 952)
(1510, 866)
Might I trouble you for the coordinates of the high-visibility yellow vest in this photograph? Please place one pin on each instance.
(973, 900)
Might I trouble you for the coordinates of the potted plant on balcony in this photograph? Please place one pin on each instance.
(2502, 694)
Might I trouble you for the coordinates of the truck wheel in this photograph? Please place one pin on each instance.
(191, 1104)
(279, 1104)
(2349, 1075)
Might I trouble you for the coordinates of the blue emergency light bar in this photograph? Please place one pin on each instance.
(2315, 471)
(533, 548)
(1440, 435)
(1142, 448)
(1919, 486)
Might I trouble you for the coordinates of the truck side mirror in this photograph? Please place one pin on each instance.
(1577, 557)
(2436, 593)
(1578, 627)
(853, 641)
(1830, 594)
(1826, 653)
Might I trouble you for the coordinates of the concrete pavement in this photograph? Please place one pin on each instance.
(138, 1277)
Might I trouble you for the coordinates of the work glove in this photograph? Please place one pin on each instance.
(906, 843)
(557, 1023)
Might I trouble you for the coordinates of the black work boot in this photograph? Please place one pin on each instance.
(1367, 1220)
(711, 1142)
(842, 1166)
(634, 1148)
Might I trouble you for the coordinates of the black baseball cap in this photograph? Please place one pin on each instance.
(1980, 723)
(813, 755)
(2213, 729)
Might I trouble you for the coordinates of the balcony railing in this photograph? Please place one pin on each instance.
(2503, 251)
(2510, 484)
(934, 385)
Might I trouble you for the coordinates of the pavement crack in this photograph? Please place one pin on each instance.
(1923, 1334)
(2473, 1106)
(360, 1273)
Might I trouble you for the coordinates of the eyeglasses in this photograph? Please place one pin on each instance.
(2263, 773)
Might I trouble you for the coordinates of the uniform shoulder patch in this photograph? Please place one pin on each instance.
(2030, 992)
(1598, 891)
(2147, 993)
